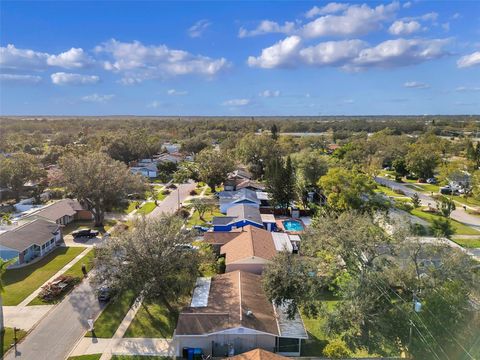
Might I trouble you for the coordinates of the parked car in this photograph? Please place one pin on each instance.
(85, 233)
(104, 293)
(447, 190)
(431, 181)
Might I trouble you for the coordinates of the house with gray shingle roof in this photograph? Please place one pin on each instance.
(31, 240)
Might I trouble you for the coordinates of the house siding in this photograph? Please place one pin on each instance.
(220, 343)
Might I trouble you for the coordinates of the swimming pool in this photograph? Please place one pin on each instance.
(292, 225)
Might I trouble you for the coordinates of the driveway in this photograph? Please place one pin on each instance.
(172, 202)
(459, 214)
(61, 328)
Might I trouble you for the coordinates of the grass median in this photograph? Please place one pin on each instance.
(19, 283)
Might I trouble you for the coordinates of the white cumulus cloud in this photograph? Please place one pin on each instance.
(330, 8)
(469, 60)
(332, 52)
(197, 29)
(73, 58)
(355, 20)
(14, 58)
(281, 54)
(269, 93)
(98, 98)
(467, 89)
(400, 27)
(267, 27)
(62, 78)
(140, 62)
(416, 85)
(174, 92)
(20, 78)
(236, 102)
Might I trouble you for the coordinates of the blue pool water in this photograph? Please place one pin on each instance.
(293, 225)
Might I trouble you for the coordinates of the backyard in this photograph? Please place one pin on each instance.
(19, 283)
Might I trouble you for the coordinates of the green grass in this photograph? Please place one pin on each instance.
(160, 196)
(460, 229)
(147, 208)
(470, 201)
(75, 271)
(209, 191)
(86, 357)
(19, 283)
(317, 337)
(152, 321)
(471, 243)
(111, 317)
(430, 188)
(387, 191)
(208, 216)
(7, 338)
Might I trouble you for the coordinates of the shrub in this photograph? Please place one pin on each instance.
(336, 349)
(442, 228)
(172, 186)
(418, 230)
(183, 213)
(221, 265)
(193, 192)
(57, 288)
(166, 192)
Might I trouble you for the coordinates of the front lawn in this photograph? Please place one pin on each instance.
(470, 243)
(208, 216)
(460, 229)
(111, 317)
(7, 339)
(86, 357)
(19, 283)
(470, 201)
(387, 191)
(75, 271)
(147, 208)
(152, 321)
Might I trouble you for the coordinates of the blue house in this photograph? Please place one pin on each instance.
(228, 199)
(238, 216)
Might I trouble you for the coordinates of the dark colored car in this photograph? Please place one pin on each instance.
(85, 233)
(446, 190)
(104, 293)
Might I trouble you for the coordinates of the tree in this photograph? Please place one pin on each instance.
(19, 169)
(151, 260)
(194, 145)
(310, 165)
(257, 151)
(274, 131)
(350, 190)
(442, 228)
(422, 159)
(337, 349)
(445, 206)
(99, 181)
(415, 200)
(400, 167)
(213, 167)
(288, 282)
(280, 182)
(202, 206)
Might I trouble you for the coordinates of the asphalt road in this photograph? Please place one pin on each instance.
(58, 332)
(171, 203)
(459, 214)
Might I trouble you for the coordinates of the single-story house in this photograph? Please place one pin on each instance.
(230, 314)
(250, 251)
(174, 157)
(33, 239)
(228, 199)
(148, 170)
(63, 212)
(171, 148)
(233, 184)
(238, 216)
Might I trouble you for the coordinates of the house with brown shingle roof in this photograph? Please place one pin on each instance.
(63, 212)
(250, 251)
(258, 354)
(230, 314)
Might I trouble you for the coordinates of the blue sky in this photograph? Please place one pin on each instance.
(239, 58)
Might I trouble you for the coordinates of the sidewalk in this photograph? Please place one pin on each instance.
(33, 295)
(131, 346)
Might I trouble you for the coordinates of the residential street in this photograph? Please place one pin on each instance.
(170, 204)
(55, 335)
(459, 214)
(58, 332)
